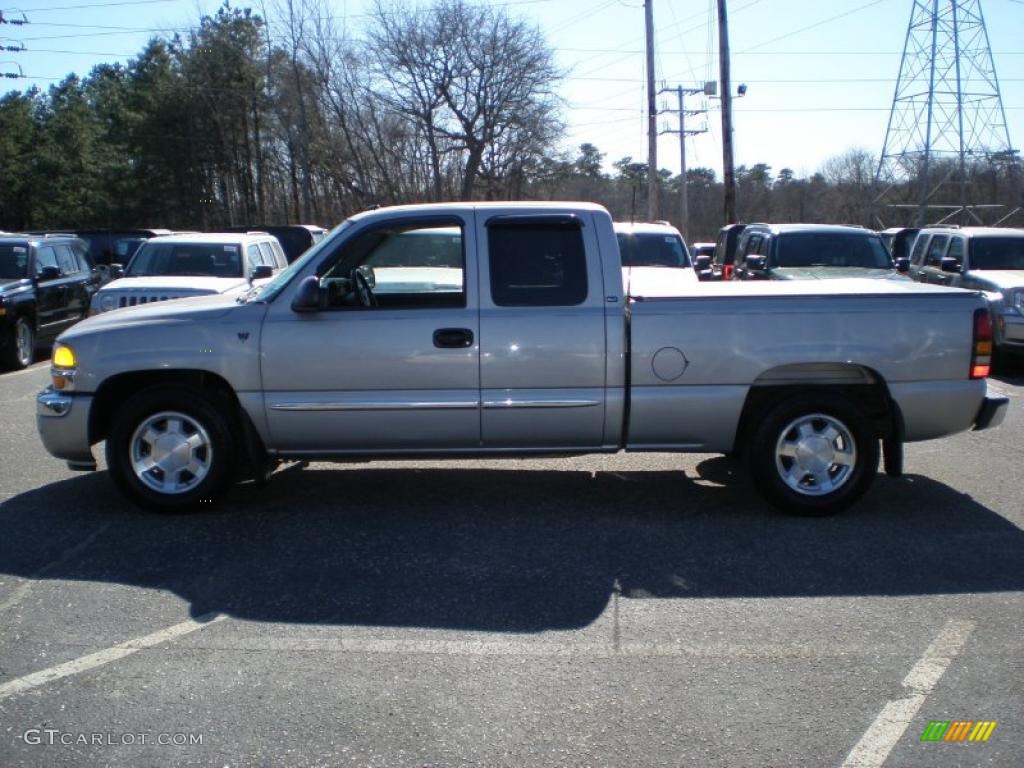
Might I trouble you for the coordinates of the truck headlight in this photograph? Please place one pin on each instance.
(107, 303)
(1018, 300)
(63, 367)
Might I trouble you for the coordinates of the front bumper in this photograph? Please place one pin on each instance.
(63, 423)
(991, 413)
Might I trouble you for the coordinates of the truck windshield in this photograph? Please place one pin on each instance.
(13, 262)
(830, 249)
(197, 259)
(652, 249)
(997, 253)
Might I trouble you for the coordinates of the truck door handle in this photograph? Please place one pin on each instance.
(457, 338)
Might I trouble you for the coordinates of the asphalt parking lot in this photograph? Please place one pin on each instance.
(633, 610)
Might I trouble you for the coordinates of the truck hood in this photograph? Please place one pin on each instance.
(1001, 279)
(833, 273)
(658, 281)
(186, 283)
(191, 309)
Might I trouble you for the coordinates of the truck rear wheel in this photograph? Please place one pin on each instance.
(813, 455)
(170, 449)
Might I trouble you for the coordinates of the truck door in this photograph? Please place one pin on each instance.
(391, 362)
(542, 332)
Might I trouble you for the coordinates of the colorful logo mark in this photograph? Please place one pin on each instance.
(958, 730)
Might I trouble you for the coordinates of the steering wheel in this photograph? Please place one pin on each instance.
(363, 290)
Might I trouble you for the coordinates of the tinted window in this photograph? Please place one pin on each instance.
(199, 259)
(13, 262)
(997, 253)
(406, 267)
(81, 252)
(45, 257)
(650, 249)
(720, 248)
(918, 253)
(831, 249)
(956, 249)
(936, 248)
(535, 264)
(66, 260)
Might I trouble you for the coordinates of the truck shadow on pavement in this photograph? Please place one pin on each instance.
(504, 550)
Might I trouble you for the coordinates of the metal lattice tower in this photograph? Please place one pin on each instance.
(947, 112)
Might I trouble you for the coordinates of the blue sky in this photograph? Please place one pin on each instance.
(820, 75)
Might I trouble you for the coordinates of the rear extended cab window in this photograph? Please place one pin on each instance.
(536, 263)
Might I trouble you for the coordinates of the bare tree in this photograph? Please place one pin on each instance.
(477, 84)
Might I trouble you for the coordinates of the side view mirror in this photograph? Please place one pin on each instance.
(116, 271)
(949, 264)
(755, 263)
(702, 263)
(902, 264)
(262, 272)
(307, 297)
(49, 273)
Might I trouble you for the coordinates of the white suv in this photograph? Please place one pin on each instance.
(176, 266)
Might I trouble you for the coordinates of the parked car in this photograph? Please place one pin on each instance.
(176, 266)
(115, 246)
(811, 252)
(899, 241)
(988, 259)
(296, 239)
(725, 253)
(536, 351)
(655, 259)
(46, 283)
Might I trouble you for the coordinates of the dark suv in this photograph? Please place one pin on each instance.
(46, 283)
(811, 251)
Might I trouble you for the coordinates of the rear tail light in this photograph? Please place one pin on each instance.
(727, 272)
(981, 348)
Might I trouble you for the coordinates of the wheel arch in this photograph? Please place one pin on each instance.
(856, 383)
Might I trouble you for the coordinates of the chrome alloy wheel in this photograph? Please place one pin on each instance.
(171, 453)
(815, 454)
(24, 345)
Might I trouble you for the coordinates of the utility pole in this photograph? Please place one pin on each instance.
(652, 118)
(728, 172)
(684, 205)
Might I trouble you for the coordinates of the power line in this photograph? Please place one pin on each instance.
(817, 24)
(34, 11)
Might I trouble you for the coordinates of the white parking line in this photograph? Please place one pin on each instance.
(875, 745)
(98, 659)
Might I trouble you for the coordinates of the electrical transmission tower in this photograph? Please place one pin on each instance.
(947, 117)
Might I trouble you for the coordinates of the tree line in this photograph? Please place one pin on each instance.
(302, 120)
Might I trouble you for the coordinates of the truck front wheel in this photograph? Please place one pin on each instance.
(170, 449)
(813, 455)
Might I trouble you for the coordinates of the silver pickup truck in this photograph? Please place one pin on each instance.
(501, 329)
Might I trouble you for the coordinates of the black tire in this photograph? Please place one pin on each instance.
(178, 417)
(20, 349)
(800, 485)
